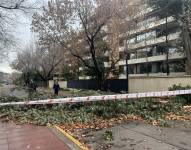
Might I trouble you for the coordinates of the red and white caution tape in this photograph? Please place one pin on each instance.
(101, 98)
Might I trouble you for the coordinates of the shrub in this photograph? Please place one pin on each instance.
(186, 98)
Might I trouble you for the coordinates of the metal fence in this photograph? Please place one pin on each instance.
(113, 85)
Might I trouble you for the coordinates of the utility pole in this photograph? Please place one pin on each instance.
(167, 48)
(127, 66)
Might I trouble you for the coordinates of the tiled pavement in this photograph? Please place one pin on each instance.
(28, 137)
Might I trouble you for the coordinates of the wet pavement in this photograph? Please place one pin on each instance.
(141, 136)
(12, 90)
(28, 137)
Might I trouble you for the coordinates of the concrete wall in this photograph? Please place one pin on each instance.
(63, 84)
(148, 84)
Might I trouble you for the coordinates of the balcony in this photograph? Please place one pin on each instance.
(152, 25)
(153, 59)
(149, 26)
(141, 13)
(172, 74)
(153, 41)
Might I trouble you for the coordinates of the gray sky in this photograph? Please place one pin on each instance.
(23, 36)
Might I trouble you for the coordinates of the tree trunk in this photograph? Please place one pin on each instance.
(187, 47)
(100, 81)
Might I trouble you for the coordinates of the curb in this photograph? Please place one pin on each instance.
(78, 143)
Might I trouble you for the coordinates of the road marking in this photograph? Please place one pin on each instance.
(78, 143)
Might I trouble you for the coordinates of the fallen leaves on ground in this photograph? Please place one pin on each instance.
(99, 123)
(186, 116)
(187, 108)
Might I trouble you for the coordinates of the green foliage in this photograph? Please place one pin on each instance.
(6, 99)
(108, 135)
(25, 78)
(179, 87)
(18, 81)
(185, 98)
(149, 109)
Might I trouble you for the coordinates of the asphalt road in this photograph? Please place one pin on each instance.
(10, 90)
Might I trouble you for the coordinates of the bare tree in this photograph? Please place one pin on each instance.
(82, 21)
(24, 63)
(47, 59)
(39, 60)
(8, 9)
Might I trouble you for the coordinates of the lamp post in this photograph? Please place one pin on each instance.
(127, 65)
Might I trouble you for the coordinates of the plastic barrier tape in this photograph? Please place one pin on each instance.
(100, 98)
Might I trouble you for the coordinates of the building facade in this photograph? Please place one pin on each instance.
(153, 46)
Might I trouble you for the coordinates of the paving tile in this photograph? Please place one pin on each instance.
(4, 147)
(3, 136)
(3, 141)
(28, 137)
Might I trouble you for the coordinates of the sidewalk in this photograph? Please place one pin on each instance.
(140, 136)
(28, 137)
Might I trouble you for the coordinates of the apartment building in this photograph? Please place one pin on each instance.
(151, 44)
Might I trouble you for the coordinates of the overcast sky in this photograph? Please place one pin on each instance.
(22, 34)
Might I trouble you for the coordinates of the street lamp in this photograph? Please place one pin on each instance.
(127, 65)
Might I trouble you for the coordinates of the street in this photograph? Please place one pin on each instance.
(11, 90)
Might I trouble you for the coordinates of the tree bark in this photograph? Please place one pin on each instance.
(187, 47)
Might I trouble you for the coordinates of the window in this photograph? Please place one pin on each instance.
(146, 36)
(177, 66)
(131, 69)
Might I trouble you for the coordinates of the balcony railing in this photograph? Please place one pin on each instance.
(123, 76)
(152, 59)
(152, 25)
(141, 13)
(153, 41)
(149, 26)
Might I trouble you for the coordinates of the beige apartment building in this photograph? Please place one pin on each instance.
(147, 45)
(152, 42)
